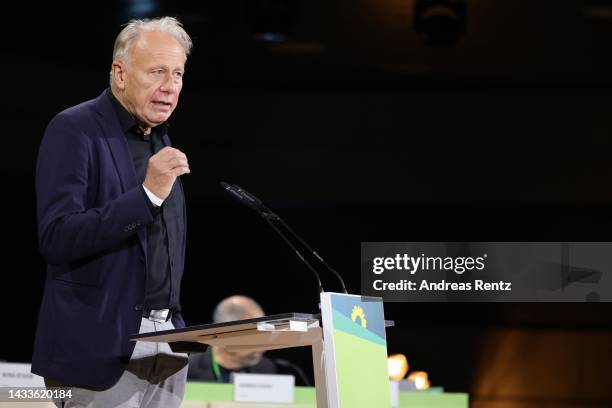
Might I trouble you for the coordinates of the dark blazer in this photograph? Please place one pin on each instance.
(92, 218)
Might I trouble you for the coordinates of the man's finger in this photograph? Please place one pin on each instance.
(169, 151)
(178, 161)
(180, 170)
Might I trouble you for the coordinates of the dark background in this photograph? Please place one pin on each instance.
(491, 126)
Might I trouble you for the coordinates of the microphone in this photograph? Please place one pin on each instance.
(256, 204)
(295, 368)
(243, 197)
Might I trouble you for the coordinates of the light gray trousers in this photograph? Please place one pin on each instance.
(155, 377)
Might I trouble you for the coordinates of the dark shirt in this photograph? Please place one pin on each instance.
(201, 368)
(165, 232)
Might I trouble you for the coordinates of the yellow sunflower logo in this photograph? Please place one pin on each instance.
(358, 313)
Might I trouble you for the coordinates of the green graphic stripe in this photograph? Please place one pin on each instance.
(201, 391)
(342, 322)
(363, 378)
(424, 399)
(214, 392)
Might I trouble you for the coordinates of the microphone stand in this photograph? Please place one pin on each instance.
(256, 204)
(269, 216)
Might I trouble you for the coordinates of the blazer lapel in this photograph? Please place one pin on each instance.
(107, 118)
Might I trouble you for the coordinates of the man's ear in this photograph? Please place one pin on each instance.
(118, 70)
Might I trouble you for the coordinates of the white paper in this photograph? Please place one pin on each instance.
(19, 375)
(263, 388)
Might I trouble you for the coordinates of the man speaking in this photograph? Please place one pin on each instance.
(111, 226)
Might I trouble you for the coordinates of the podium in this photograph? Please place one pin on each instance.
(348, 344)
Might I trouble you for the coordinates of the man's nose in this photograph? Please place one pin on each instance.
(170, 84)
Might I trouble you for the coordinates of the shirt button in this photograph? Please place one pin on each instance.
(138, 308)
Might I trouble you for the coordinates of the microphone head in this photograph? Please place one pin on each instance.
(247, 196)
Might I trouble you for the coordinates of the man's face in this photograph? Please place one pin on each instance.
(250, 359)
(150, 77)
(239, 359)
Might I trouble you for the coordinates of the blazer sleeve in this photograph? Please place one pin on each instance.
(67, 229)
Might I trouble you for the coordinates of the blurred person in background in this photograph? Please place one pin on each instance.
(217, 364)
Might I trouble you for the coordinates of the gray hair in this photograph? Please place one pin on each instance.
(236, 307)
(168, 25)
(133, 28)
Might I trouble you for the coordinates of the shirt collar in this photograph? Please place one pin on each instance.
(126, 120)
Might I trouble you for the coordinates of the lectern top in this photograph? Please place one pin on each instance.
(190, 333)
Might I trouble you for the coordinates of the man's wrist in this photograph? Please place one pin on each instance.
(155, 200)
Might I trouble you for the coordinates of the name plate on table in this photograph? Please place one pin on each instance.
(263, 387)
(395, 389)
(19, 375)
